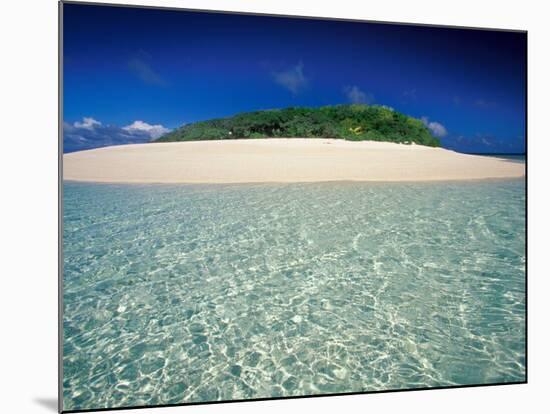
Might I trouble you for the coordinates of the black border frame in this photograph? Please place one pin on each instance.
(60, 204)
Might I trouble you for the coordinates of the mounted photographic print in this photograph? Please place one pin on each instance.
(257, 207)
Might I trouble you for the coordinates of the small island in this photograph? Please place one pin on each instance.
(356, 122)
(330, 143)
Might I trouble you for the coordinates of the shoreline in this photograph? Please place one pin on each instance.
(342, 182)
(281, 160)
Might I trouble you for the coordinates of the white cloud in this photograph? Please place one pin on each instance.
(87, 123)
(154, 131)
(483, 103)
(292, 79)
(410, 94)
(143, 70)
(435, 128)
(356, 96)
(91, 133)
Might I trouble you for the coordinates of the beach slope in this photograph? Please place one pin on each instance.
(280, 160)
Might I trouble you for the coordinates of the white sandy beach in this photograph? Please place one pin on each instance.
(280, 160)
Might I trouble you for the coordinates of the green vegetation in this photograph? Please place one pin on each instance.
(351, 122)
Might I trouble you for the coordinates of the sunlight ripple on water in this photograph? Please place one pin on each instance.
(189, 293)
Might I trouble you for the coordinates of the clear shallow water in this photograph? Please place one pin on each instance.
(189, 293)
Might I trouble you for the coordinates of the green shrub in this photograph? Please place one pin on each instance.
(351, 122)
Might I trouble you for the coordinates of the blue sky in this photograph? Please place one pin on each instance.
(132, 74)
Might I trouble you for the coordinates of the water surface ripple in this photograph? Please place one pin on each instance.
(190, 293)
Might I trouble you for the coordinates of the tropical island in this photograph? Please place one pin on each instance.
(356, 122)
(330, 143)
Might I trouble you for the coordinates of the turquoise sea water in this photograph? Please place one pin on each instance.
(189, 293)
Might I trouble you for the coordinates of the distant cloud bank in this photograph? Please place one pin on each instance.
(484, 143)
(90, 133)
(87, 123)
(154, 131)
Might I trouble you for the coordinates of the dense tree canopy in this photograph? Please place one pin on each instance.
(351, 122)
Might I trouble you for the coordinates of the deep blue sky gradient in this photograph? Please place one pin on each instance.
(173, 67)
